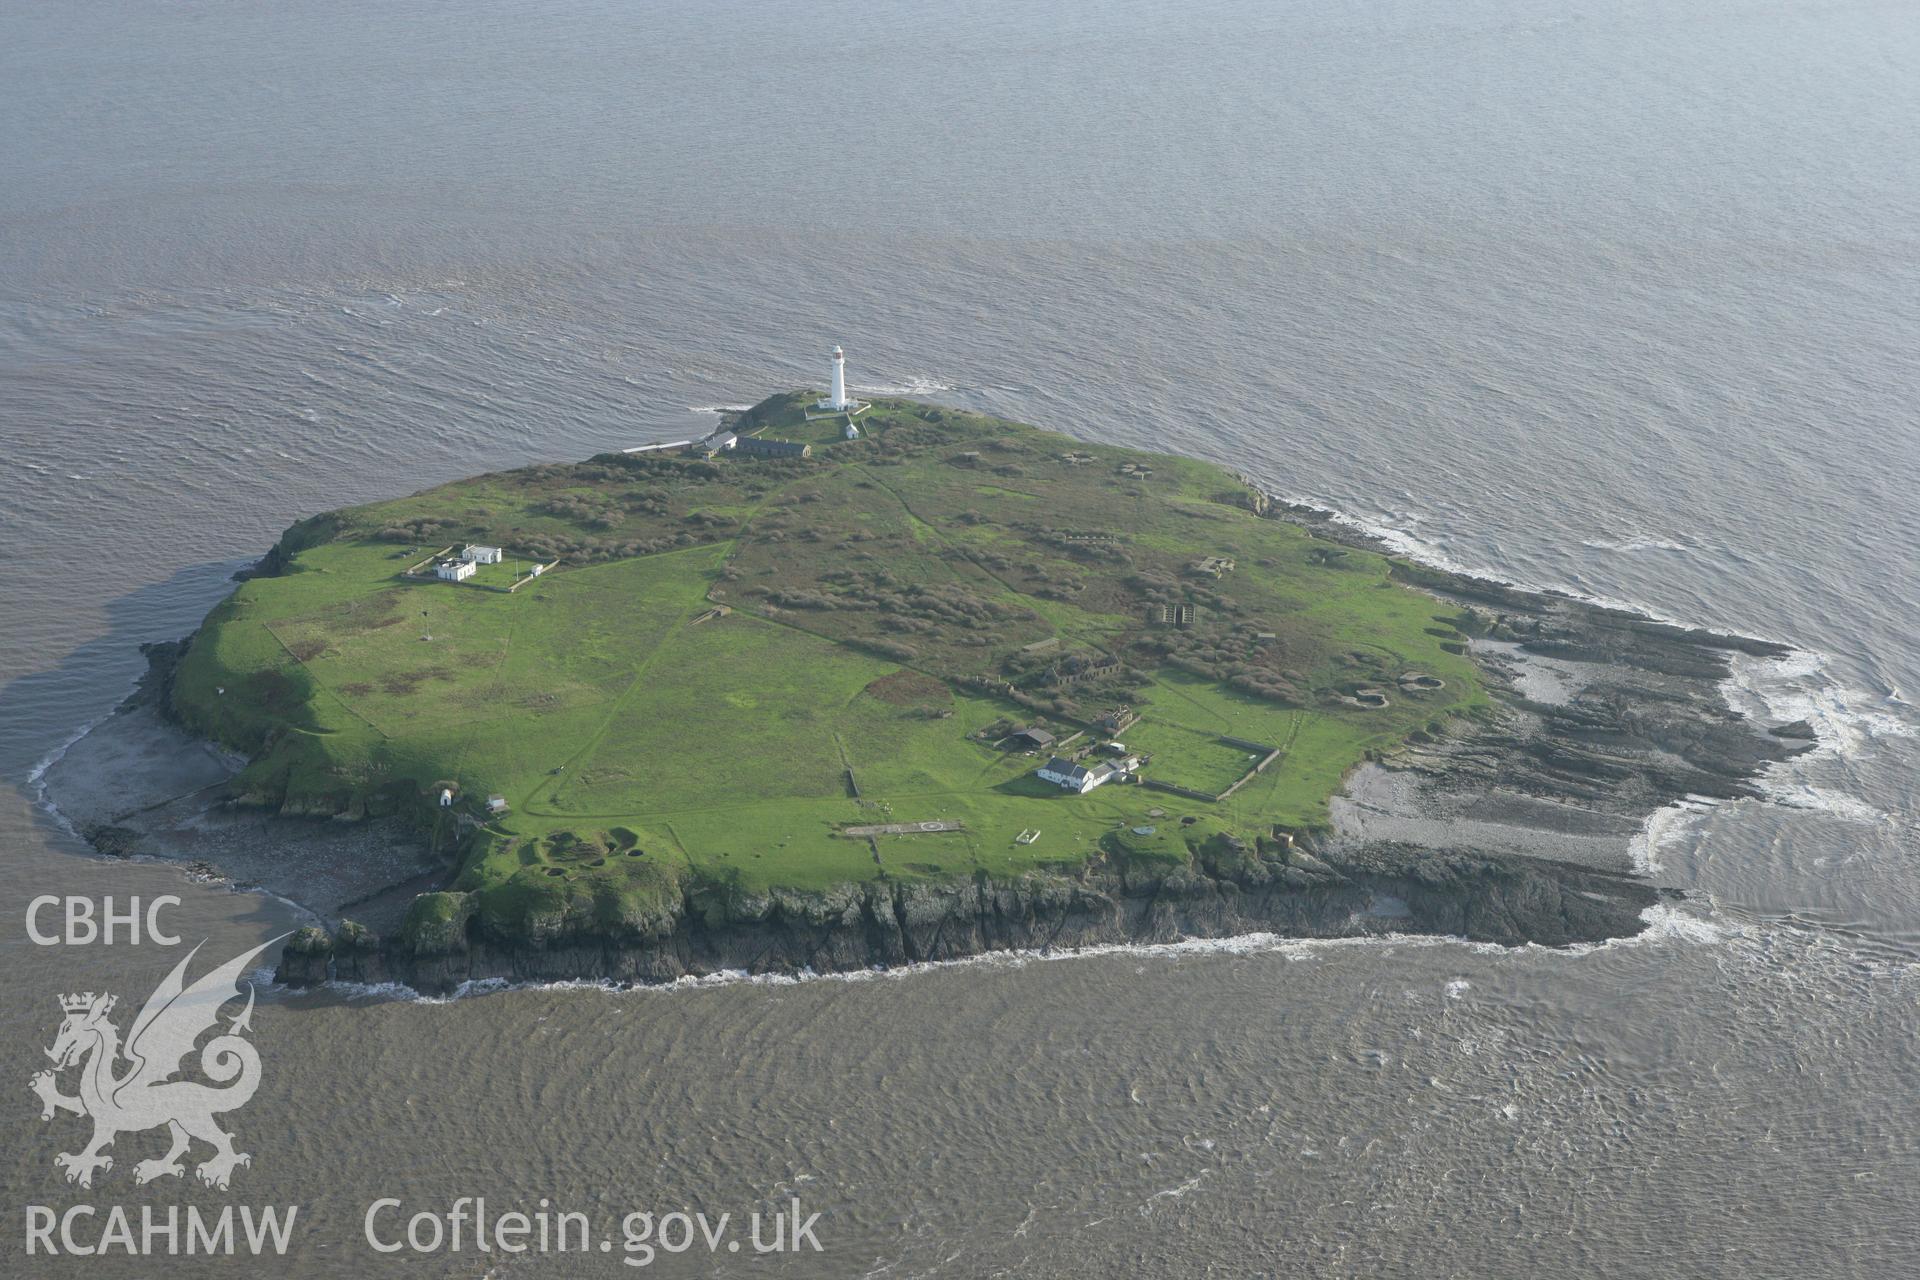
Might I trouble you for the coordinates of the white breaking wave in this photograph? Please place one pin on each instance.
(1663, 827)
(1799, 687)
(1840, 805)
(913, 386)
(1669, 923)
(1847, 722)
(1666, 923)
(1413, 547)
(1175, 1193)
(1634, 544)
(37, 776)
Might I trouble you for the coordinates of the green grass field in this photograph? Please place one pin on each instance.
(1188, 757)
(676, 709)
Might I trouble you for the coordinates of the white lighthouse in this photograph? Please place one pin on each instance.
(838, 401)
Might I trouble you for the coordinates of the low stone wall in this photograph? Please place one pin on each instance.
(1273, 753)
(1155, 784)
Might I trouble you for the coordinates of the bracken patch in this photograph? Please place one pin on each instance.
(910, 689)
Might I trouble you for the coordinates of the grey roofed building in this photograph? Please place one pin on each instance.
(1034, 737)
(773, 448)
(718, 442)
(1066, 774)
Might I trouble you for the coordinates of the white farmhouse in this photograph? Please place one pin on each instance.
(1069, 776)
(455, 570)
(476, 554)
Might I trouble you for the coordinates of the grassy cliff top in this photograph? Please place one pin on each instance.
(733, 661)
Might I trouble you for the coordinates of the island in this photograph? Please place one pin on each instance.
(890, 683)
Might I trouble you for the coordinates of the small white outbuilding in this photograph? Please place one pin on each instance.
(477, 554)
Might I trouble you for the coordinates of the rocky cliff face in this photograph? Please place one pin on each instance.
(1276, 888)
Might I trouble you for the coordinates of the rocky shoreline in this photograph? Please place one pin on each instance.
(1389, 888)
(1519, 830)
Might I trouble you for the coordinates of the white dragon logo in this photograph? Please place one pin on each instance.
(144, 1096)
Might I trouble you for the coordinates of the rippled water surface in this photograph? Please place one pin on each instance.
(1617, 297)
